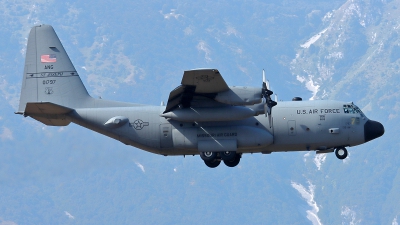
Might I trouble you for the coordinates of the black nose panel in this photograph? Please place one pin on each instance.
(372, 130)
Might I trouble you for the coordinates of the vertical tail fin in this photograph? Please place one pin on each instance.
(49, 75)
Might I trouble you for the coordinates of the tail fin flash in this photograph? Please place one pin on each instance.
(49, 75)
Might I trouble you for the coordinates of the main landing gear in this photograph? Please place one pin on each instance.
(213, 159)
(341, 152)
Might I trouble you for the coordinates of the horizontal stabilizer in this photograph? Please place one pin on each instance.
(48, 113)
(45, 108)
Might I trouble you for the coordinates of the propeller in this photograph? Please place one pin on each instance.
(268, 103)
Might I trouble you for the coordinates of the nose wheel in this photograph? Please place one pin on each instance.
(341, 153)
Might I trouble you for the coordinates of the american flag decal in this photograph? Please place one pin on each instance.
(48, 58)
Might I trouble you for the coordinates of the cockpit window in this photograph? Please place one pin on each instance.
(352, 109)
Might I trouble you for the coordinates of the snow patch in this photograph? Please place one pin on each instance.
(140, 166)
(69, 215)
(394, 222)
(362, 23)
(313, 39)
(301, 79)
(373, 38)
(171, 14)
(306, 156)
(202, 46)
(349, 216)
(319, 159)
(313, 13)
(313, 87)
(308, 195)
(327, 16)
(334, 55)
(310, 85)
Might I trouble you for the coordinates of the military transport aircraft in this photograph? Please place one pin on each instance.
(203, 116)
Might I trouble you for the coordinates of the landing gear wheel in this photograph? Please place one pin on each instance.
(341, 153)
(208, 156)
(228, 155)
(212, 164)
(234, 162)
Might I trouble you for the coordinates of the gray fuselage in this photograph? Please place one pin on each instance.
(295, 126)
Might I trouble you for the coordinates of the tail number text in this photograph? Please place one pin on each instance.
(49, 81)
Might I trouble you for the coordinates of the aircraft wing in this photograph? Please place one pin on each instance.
(203, 83)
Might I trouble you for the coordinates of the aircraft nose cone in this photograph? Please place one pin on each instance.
(372, 130)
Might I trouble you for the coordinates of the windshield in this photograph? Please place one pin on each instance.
(352, 109)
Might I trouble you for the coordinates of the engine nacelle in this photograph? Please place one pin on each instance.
(238, 95)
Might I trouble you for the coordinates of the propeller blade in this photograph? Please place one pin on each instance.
(269, 121)
(264, 76)
(268, 102)
(264, 85)
(267, 111)
(265, 81)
